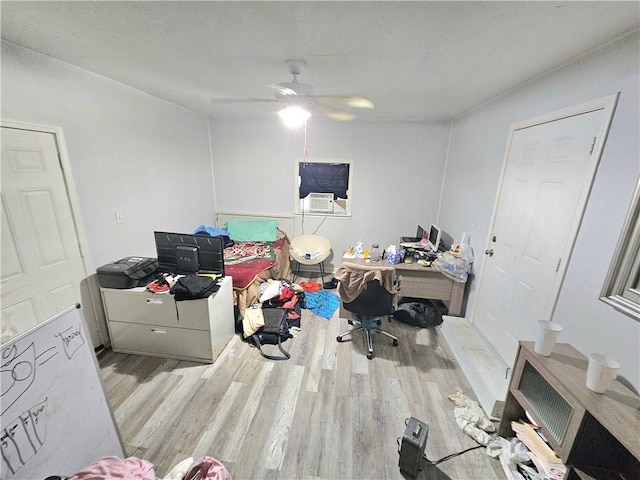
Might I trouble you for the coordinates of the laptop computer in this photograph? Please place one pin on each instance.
(419, 234)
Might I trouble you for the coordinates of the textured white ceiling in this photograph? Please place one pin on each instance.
(416, 60)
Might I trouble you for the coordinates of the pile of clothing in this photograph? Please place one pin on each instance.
(206, 468)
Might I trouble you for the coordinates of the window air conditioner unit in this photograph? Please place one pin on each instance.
(321, 202)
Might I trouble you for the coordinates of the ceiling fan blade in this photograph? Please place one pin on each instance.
(294, 93)
(340, 116)
(353, 101)
(334, 114)
(282, 89)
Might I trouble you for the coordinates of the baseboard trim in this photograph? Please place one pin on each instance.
(482, 366)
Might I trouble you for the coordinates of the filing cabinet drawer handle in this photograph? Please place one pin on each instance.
(154, 301)
(157, 330)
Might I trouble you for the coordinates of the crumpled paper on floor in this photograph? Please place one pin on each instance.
(512, 450)
(515, 455)
(511, 453)
(471, 418)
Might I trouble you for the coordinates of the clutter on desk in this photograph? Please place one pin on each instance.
(376, 254)
(456, 262)
(395, 255)
(359, 251)
(350, 253)
(411, 244)
(373, 254)
(419, 255)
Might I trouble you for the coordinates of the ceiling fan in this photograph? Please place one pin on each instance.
(296, 94)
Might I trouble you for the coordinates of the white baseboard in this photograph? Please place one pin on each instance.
(482, 366)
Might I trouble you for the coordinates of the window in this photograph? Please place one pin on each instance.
(324, 187)
(622, 286)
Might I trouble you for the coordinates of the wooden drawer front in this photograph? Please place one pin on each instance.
(140, 307)
(416, 285)
(163, 341)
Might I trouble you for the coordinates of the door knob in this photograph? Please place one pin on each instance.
(489, 252)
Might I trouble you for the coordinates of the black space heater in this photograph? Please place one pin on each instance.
(411, 447)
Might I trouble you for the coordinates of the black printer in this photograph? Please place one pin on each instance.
(128, 272)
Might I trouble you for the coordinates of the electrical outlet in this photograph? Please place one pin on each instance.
(119, 217)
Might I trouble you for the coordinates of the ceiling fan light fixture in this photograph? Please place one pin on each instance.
(294, 116)
(296, 98)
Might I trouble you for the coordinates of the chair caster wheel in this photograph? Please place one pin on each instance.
(395, 343)
(339, 339)
(350, 322)
(369, 356)
(379, 322)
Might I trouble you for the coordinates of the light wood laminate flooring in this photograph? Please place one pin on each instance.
(328, 412)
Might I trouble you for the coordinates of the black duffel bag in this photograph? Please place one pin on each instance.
(419, 312)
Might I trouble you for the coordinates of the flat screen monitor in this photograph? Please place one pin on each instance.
(435, 235)
(185, 253)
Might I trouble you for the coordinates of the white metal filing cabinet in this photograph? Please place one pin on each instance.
(146, 323)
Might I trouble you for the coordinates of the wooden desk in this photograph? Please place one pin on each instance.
(419, 281)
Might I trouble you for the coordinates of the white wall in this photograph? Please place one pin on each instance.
(129, 151)
(397, 174)
(473, 169)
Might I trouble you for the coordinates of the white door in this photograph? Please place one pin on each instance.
(41, 263)
(548, 173)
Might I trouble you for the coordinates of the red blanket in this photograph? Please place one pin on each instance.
(245, 260)
(244, 273)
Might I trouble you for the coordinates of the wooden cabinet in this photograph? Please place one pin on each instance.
(596, 435)
(145, 323)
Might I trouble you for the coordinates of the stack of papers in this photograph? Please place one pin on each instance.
(541, 453)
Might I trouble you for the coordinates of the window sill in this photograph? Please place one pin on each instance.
(318, 214)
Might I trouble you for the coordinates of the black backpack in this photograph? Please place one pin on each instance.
(274, 332)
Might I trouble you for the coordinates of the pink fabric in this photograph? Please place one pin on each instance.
(209, 469)
(131, 468)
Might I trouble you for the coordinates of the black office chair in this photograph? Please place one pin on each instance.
(373, 302)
